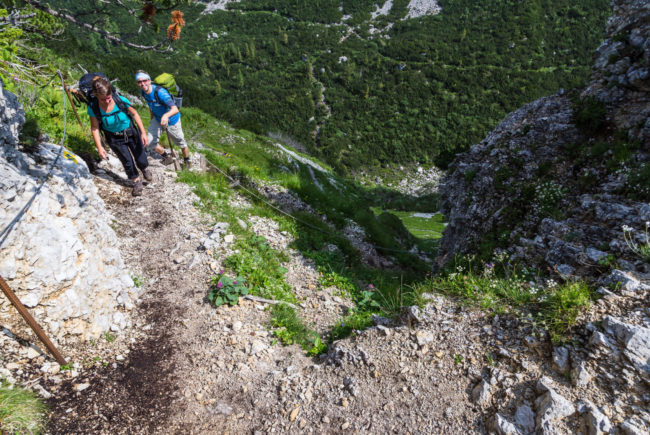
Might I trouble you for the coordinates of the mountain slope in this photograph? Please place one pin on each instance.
(364, 91)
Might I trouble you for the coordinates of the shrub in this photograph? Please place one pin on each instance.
(589, 114)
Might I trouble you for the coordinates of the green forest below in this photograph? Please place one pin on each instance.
(422, 91)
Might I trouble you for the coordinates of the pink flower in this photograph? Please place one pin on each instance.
(235, 283)
(221, 272)
(219, 284)
(370, 286)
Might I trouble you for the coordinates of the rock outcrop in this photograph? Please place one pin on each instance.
(557, 180)
(61, 259)
(563, 185)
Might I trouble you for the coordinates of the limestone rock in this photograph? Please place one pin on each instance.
(597, 423)
(636, 340)
(580, 376)
(61, 257)
(502, 426)
(561, 359)
(481, 394)
(525, 419)
(551, 407)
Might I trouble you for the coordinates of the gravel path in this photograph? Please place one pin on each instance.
(189, 368)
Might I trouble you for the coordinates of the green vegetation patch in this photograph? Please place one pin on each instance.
(503, 288)
(21, 411)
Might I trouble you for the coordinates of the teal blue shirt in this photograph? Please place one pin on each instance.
(115, 121)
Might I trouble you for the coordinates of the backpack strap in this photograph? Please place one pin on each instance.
(121, 106)
(156, 94)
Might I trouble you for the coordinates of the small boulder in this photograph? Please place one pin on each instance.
(481, 393)
(597, 423)
(502, 426)
(525, 419)
(552, 407)
(580, 376)
(561, 359)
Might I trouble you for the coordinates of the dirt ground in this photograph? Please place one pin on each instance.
(186, 367)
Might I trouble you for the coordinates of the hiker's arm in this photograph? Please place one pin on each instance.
(164, 120)
(136, 116)
(94, 129)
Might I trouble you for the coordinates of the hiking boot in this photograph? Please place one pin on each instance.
(167, 160)
(147, 174)
(137, 188)
(186, 164)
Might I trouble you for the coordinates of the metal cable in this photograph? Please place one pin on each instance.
(7, 230)
(238, 184)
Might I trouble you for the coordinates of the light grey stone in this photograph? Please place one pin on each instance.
(598, 339)
(636, 340)
(413, 314)
(561, 359)
(258, 347)
(565, 270)
(525, 419)
(481, 394)
(502, 426)
(81, 387)
(625, 281)
(597, 423)
(30, 300)
(61, 257)
(580, 376)
(634, 426)
(595, 255)
(423, 337)
(544, 384)
(383, 330)
(552, 407)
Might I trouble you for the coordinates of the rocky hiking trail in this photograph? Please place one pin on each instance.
(184, 366)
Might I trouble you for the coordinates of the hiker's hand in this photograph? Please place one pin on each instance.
(143, 137)
(164, 120)
(102, 153)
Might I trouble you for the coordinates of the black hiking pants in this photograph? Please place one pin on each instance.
(129, 149)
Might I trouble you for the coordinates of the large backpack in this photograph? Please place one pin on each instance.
(87, 96)
(167, 82)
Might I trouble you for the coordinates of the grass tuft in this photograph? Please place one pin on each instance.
(21, 411)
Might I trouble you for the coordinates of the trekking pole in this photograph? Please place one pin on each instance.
(171, 148)
(74, 109)
(32, 323)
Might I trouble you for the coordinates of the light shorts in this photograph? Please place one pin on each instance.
(175, 133)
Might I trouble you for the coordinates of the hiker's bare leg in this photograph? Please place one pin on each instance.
(153, 136)
(186, 153)
(160, 150)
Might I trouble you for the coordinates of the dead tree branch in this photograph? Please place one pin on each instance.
(106, 35)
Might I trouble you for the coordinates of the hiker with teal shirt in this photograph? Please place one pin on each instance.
(124, 138)
(164, 115)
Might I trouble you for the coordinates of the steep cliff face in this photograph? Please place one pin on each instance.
(557, 180)
(61, 259)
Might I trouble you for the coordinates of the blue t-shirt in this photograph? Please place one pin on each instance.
(116, 120)
(158, 109)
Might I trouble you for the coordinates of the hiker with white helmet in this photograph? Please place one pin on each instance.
(164, 115)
